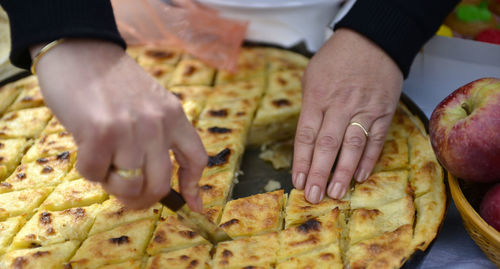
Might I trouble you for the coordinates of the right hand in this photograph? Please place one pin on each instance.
(120, 116)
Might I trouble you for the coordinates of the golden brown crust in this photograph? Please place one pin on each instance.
(51, 227)
(120, 244)
(253, 215)
(113, 213)
(41, 172)
(328, 257)
(380, 188)
(312, 234)
(251, 251)
(171, 234)
(26, 123)
(192, 258)
(389, 250)
(298, 209)
(192, 72)
(52, 256)
(394, 155)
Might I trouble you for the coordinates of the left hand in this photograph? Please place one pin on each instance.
(349, 80)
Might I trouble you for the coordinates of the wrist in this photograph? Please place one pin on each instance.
(71, 48)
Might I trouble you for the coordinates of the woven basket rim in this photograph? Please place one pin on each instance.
(469, 213)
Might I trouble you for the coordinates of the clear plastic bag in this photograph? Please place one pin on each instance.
(186, 25)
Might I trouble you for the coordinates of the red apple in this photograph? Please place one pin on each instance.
(465, 131)
(490, 207)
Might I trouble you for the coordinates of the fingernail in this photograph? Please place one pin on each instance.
(336, 191)
(294, 176)
(365, 176)
(314, 194)
(359, 175)
(301, 180)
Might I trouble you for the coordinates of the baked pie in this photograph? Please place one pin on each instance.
(51, 217)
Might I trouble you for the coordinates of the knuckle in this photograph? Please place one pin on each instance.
(305, 135)
(355, 142)
(328, 142)
(320, 175)
(377, 138)
(302, 164)
(343, 173)
(370, 158)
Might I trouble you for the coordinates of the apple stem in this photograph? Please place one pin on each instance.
(466, 108)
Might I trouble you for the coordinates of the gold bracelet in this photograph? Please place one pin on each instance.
(42, 52)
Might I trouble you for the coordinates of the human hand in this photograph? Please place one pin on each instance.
(120, 116)
(350, 79)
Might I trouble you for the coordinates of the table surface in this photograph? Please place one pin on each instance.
(444, 65)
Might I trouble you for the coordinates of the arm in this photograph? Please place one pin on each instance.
(118, 114)
(357, 76)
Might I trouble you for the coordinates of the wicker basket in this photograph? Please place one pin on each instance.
(485, 236)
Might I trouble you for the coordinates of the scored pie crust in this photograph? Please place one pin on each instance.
(378, 224)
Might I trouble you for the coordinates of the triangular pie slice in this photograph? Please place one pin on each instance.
(130, 264)
(8, 229)
(252, 65)
(389, 250)
(28, 98)
(394, 155)
(24, 123)
(368, 223)
(50, 145)
(192, 72)
(224, 157)
(8, 93)
(380, 188)
(54, 126)
(171, 234)
(298, 209)
(161, 73)
(40, 173)
(280, 59)
(256, 214)
(113, 213)
(16, 203)
(52, 227)
(247, 252)
(118, 245)
(77, 193)
(285, 80)
(193, 258)
(312, 234)
(155, 55)
(11, 152)
(52, 256)
(213, 134)
(327, 257)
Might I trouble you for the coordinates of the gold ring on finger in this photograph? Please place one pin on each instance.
(355, 123)
(127, 173)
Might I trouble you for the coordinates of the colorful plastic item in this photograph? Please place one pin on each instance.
(444, 31)
(472, 13)
(489, 36)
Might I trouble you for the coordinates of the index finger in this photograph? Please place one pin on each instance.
(192, 158)
(307, 129)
